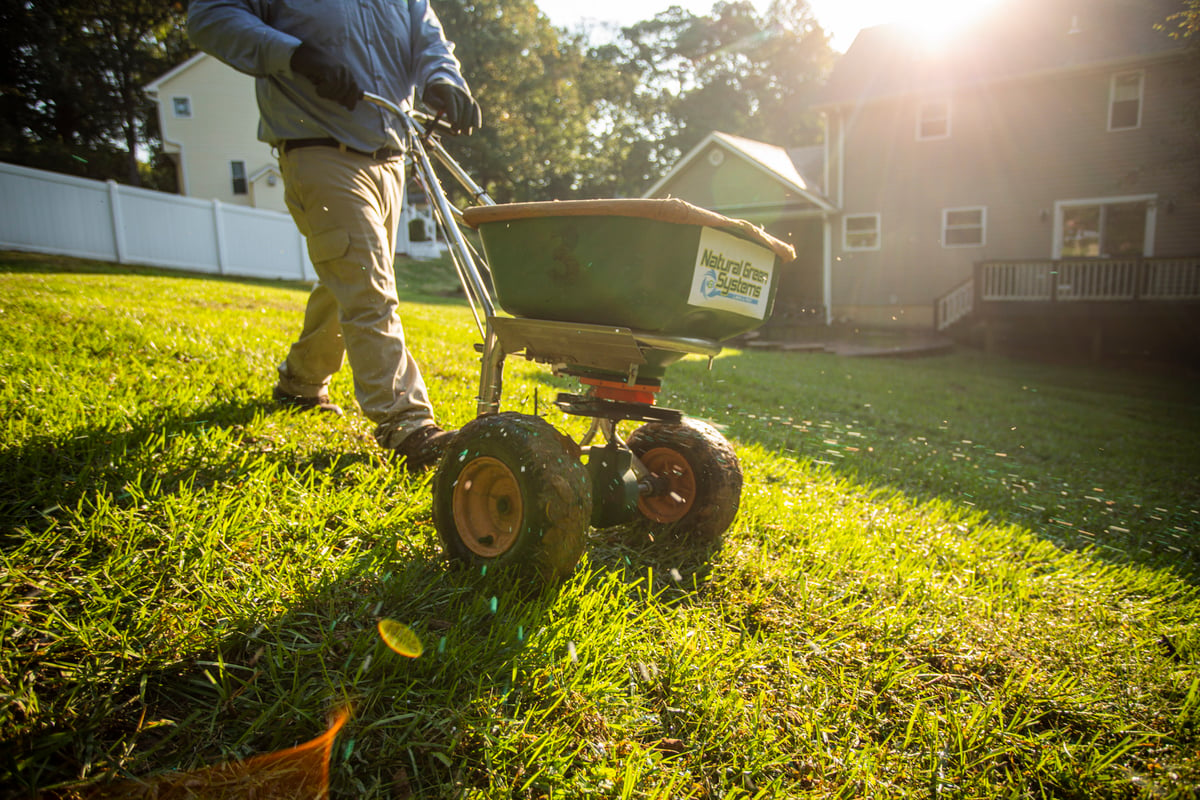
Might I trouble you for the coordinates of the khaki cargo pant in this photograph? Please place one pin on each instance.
(348, 208)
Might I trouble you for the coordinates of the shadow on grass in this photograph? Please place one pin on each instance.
(1023, 488)
(275, 682)
(1050, 488)
(47, 473)
(273, 678)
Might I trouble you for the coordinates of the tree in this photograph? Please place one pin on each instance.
(1185, 23)
(526, 76)
(73, 75)
(678, 76)
(136, 40)
(561, 121)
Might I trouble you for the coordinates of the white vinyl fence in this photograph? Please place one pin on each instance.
(47, 212)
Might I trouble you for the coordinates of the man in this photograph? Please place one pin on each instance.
(343, 173)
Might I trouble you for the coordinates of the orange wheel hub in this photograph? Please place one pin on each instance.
(671, 467)
(487, 505)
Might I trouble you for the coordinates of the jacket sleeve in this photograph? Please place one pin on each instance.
(433, 56)
(235, 32)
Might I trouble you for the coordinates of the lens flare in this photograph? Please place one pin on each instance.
(298, 773)
(400, 638)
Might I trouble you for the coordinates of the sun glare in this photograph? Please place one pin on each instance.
(936, 22)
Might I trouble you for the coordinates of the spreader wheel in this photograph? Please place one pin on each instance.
(696, 480)
(513, 493)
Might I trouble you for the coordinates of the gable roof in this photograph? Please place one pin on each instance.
(775, 162)
(263, 171)
(1018, 38)
(155, 85)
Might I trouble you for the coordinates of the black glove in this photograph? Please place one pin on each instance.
(332, 79)
(456, 105)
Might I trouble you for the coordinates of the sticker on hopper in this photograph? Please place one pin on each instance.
(732, 274)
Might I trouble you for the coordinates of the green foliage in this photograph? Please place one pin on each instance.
(527, 79)
(563, 120)
(188, 576)
(673, 79)
(74, 72)
(1185, 23)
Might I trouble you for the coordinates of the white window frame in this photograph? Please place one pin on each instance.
(946, 226)
(1151, 201)
(187, 100)
(922, 117)
(878, 231)
(1112, 97)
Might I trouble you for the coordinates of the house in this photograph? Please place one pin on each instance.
(208, 115)
(1052, 153)
(209, 121)
(1056, 129)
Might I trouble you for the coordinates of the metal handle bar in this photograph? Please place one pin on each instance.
(430, 125)
(420, 139)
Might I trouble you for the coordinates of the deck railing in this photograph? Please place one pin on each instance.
(1172, 279)
(1094, 280)
(954, 306)
(1015, 280)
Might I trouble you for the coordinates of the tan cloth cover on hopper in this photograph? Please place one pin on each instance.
(672, 210)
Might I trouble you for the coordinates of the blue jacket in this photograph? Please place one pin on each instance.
(391, 46)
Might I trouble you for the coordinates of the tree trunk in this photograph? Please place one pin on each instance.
(131, 162)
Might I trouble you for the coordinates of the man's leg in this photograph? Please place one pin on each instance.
(317, 354)
(347, 206)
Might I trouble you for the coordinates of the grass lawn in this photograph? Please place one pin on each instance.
(958, 576)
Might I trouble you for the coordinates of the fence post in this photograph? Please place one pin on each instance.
(219, 230)
(118, 219)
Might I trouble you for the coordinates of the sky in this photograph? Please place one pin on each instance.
(841, 18)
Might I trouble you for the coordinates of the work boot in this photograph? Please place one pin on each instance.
(319, 403)
(424, 447)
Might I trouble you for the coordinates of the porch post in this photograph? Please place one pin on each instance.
(827, 268)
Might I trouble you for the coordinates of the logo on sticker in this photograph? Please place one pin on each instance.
(732, 274)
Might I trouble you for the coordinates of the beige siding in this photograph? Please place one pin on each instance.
(1016, 149)
(223, 128)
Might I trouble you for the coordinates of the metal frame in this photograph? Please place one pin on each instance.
(555, 343)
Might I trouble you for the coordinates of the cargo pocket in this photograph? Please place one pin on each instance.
(328, 245)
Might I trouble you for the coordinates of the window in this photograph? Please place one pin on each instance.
(238, 170)
(861, 232)
(1125, 100)
(933, 120)
(1121, 227)
(964, 227)
(182, 107)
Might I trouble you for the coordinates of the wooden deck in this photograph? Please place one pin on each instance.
(1089, 295)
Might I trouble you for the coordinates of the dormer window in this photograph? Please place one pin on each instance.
(933, 120)
(181, 107)
(1125, 100)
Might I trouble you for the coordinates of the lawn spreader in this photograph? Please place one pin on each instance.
(611, 293)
